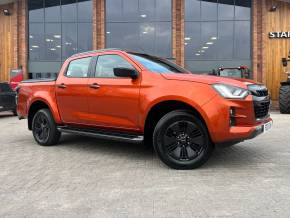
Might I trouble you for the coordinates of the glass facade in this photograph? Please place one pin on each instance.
(140, 25)
(57, 30)
(217, 33)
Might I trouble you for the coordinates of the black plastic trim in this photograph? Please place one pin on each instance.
(118, 136)
(236, 141)
(38, 80)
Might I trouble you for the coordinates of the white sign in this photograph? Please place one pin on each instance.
(279, 35)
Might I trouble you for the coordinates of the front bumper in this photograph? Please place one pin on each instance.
(246, 125)
(244, 133)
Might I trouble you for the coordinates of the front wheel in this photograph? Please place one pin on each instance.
(181, 140)
(44, 128)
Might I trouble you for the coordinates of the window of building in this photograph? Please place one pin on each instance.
(79, 68)
(107, 63)
(217, 33)
(139, 25)
(57, 30)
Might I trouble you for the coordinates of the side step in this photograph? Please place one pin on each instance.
(118, 136)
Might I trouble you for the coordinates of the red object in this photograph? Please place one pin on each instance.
(124, 103)
(16, 76)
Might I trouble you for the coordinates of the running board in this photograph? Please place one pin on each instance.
(118, 136)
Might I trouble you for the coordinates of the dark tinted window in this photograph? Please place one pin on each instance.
(139, 25)
(36, 42)
(4, 87)
(157, 65)
(107, 63)
(79, 68)
(69, 10)
(36, 10)
(53, 41)
(52, 10)
(69, 39)
(217, 33)
(57, 30)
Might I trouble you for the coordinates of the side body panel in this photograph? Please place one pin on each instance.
(156, 89)
(115, 103)
(33, 92)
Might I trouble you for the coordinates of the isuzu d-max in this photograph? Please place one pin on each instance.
(133, 97)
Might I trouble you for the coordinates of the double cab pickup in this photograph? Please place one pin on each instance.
(133, 97)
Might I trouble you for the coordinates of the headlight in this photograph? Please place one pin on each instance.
(231, 92)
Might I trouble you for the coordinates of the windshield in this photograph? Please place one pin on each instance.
(231, 73)
(156, 64)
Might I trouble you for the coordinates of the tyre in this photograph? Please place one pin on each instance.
(284, 99)
(44, 128)
(181, 140)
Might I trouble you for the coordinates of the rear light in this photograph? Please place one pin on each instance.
(17, 89)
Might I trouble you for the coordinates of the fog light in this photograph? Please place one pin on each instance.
(232, 116)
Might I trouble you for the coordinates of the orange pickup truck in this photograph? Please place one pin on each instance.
(121, 95)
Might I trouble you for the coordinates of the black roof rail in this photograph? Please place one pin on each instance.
(99, 50)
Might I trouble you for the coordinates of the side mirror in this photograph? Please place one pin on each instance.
(284, 62)
(125, 72)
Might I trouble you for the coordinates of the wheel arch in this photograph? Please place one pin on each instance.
(37, 105)
(159, 109)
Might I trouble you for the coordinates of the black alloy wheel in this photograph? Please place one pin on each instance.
(41, 128)
(44, 128)
(181, 140)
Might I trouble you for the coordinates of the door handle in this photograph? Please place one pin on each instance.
(95, 86)
(61, 86)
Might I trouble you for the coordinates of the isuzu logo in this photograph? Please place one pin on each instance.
(279, 35)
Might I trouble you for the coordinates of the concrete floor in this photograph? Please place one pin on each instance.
(84, 177)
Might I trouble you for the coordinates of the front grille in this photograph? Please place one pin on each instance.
(261, 100)
(261, 109)
(261, 93)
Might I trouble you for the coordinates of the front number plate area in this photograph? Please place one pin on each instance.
(267, 126)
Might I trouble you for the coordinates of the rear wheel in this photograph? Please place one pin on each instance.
(284, 99)
(181, 140)
(44, 128)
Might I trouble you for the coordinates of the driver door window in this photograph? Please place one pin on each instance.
(107, 63)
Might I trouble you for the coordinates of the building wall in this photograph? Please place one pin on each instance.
(7, 52)
(275, 49)
(13, 39)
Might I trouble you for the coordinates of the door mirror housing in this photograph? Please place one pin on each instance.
(125, 72)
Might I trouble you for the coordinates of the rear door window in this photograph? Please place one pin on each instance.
(79, 68)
